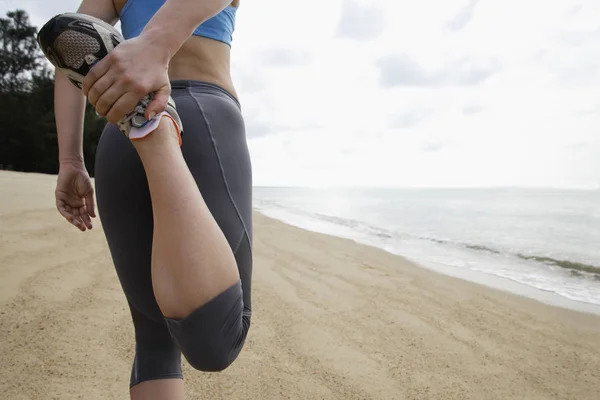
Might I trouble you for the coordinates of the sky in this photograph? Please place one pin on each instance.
(434, 93)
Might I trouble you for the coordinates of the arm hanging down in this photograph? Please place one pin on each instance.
(74, 190)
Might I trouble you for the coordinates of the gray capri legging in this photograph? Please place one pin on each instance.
(216, 152)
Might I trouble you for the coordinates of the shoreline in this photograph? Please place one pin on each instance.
(511, 286)
(478, 277)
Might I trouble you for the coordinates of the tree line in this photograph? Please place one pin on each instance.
(28, 138)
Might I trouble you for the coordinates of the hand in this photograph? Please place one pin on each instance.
(133, 69)
(75, 195)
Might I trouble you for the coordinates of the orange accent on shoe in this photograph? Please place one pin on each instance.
(174, 123)
(176, 127)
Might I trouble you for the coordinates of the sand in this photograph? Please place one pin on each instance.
(332, 320)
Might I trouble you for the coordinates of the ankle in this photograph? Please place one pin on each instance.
(165, 135)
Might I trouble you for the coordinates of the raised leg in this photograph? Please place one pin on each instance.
(192, 261)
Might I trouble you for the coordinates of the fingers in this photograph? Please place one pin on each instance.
(114, 103)
(159, 103)
(98, 89)
(95, 73)
(80, 217)
(107, 83)
(86, 211)
(125, 104)
(114, 87)
(68, 213)
(90, 205)
(79, 224)
(106, 103)
(85, 217)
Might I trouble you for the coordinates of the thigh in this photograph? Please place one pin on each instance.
(215, 149)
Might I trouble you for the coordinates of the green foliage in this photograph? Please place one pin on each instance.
(28, 139)
(19, 53)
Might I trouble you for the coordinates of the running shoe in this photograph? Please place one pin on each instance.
(74, 42)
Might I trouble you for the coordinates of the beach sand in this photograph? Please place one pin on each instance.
(332, 320)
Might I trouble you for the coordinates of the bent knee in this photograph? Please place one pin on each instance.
(212, 336)
(211, 360)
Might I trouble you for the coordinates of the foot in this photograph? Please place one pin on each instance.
(74, 42)
(166, 137)
(138, 129)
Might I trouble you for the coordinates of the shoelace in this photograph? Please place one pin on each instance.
(140, 108)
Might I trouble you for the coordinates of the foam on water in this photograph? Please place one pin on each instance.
(548, 247)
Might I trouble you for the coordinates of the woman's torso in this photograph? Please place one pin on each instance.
(200, 58)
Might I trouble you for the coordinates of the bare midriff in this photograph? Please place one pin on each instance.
(200, 59)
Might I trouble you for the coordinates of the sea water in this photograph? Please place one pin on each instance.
(546, 239)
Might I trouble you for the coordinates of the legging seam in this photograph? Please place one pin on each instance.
(239, 242)
(246, 312)
(221, 169)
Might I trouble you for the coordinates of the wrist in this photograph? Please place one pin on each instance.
(72, 159)
(164, 46)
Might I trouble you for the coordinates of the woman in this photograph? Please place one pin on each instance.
(176, 215)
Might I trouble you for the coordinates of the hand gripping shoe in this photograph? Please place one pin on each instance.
(74, 42)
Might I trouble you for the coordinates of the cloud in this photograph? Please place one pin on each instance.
(410, 119)
(432, 147)
(255, 74)
(574, 9)
(282, 57)
(575, 56)
(400, 70)
(462, 18)
(587, 111)
(577, 37)
(472, 109)
(360, 21)
(249, 80)
(256, 129)
(258, 126)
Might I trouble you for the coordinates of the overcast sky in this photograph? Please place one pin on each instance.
(415, 93)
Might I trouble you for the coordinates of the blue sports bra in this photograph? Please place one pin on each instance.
(136, 14)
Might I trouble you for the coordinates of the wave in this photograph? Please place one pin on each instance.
(573, 267)
(566, 264)
(339, 221)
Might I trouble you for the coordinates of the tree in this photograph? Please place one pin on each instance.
(28, 139)
(19, 52)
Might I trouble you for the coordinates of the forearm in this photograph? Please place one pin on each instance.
(176, 20)
(69, 108)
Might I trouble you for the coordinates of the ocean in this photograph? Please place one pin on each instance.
(546, 239)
